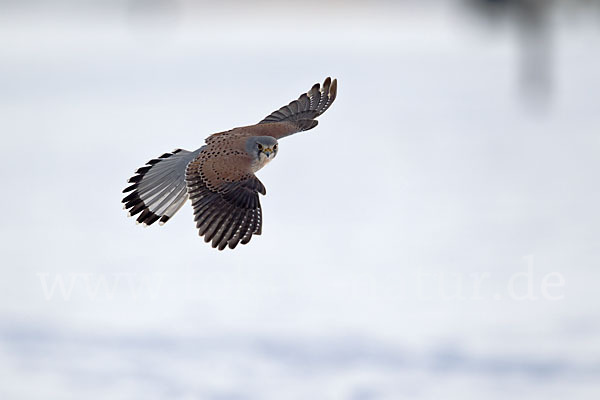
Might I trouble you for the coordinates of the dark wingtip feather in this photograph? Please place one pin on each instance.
(152, 219)
(129, 197)
(135, 179)
(333, 90)
(133, 203)
(145, 214)
(130, 188)
(136, 209)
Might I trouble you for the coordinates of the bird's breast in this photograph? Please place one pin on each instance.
(260, 162)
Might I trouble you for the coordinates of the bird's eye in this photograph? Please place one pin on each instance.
(260, 146)
(275, 147)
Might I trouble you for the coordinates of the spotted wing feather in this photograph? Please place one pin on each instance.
(226, 206)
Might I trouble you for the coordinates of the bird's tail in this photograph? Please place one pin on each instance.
(158, 188)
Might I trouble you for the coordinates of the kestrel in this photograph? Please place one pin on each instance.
(219, 176)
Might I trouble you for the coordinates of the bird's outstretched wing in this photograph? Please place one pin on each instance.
(296, 117)
(224, 196)
(308, 106)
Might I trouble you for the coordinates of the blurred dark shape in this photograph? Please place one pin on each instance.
(536, 47)
(165, 12)
(534, 31)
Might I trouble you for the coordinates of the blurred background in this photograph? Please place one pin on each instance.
(436, 237)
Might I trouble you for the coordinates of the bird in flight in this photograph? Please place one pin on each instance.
(219, 177)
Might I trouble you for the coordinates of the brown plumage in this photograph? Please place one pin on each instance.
(219, 177)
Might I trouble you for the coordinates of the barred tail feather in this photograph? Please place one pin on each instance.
(158, 188)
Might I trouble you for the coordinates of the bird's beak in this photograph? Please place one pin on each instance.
(268, 152)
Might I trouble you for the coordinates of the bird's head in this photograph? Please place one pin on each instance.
(262, 149)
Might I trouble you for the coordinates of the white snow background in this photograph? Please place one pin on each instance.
(435, 237)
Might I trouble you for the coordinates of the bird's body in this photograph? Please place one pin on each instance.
(219, 177)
